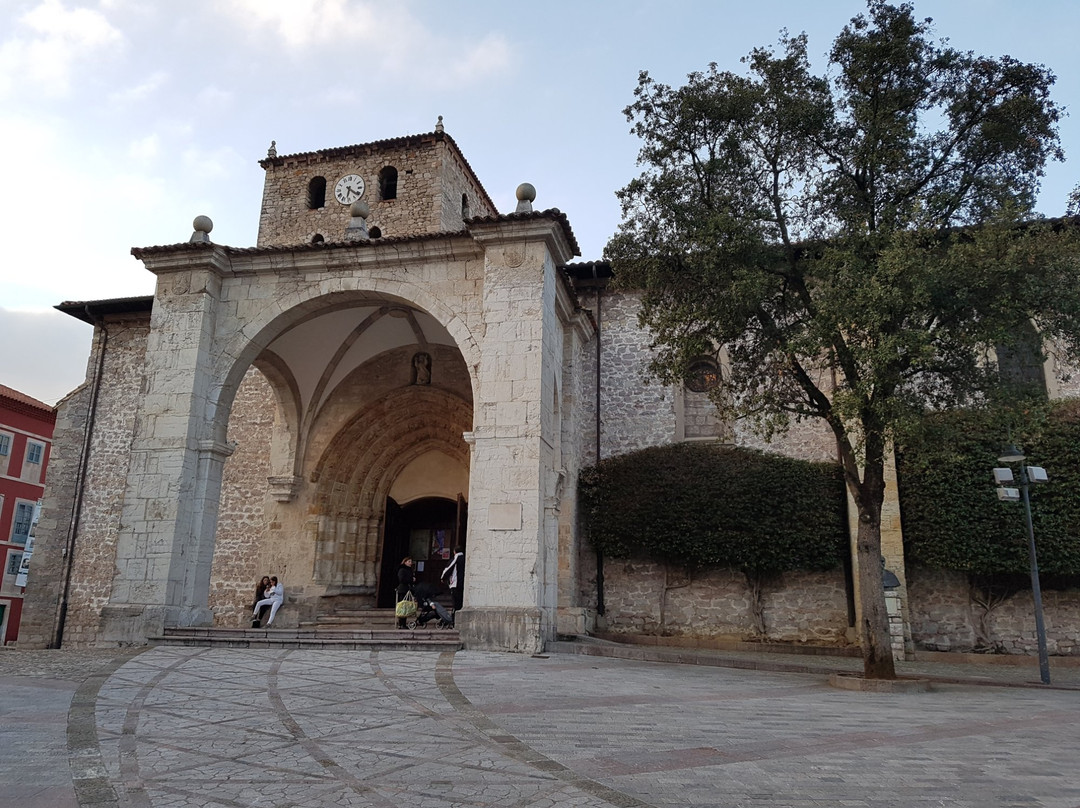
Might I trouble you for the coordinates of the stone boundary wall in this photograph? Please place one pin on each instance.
(943, 617)
(644, 597)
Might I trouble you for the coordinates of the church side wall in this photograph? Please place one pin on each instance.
(942, 616)
(635, 413)
(94, 556)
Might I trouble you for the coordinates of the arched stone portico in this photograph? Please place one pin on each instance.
(490, 295)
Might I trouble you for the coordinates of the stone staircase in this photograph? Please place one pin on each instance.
(366, 629)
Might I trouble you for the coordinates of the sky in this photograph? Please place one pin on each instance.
(122, 120)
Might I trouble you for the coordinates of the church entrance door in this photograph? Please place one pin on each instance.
(427, 529)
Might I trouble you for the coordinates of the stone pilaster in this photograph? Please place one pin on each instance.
(512, 563)
(165, 545)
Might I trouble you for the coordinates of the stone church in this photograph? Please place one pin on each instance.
(396, 368)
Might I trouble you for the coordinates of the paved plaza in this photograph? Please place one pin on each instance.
(182, 727)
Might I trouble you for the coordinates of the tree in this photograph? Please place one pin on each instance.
(856, 243)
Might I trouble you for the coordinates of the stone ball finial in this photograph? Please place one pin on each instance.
(360, 209)
(272, 151)
(525, 193)
(203, 226)
(439, 125)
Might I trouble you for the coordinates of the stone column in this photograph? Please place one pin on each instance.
(370, 538)
(169, 515)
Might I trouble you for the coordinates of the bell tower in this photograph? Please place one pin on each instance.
(413, 185)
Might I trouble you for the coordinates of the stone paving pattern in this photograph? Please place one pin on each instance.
(182, 727)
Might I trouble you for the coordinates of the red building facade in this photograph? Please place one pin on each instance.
(26, 428)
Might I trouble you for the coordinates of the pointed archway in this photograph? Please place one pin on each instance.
(416, 425)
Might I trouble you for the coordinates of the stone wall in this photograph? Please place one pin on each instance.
(45, 581)
(638, 412)
(93, 558)
(239, 542)
(635, 412)
(648, 598)
(942, 617)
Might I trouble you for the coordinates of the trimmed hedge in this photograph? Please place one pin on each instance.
(705, 505)
(952, 518)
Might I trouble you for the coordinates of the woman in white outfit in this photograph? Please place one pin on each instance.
(275, 596)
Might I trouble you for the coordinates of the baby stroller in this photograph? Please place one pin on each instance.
(433, 610)
(429, 609)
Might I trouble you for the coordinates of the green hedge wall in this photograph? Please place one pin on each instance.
(704, 505)
(952, 518)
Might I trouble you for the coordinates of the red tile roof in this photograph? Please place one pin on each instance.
(23, 401)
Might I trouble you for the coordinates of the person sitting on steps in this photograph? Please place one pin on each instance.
(262, 590)
(275, 596)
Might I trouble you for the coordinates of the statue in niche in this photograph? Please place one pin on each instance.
(421, 365)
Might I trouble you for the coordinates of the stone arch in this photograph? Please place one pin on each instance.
(286, 392)
(358, 468)
(244, 346)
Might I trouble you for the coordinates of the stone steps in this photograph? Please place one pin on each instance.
(313, 636)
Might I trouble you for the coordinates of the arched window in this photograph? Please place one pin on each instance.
(704, 375)
(317, 238)
(388, 183)
(698, 418)
(465, 212)
(316, 193)
(374, 232)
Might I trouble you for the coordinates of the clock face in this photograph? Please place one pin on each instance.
(349, 188)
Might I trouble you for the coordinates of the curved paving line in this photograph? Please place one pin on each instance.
(312, 747)
(519, 750)
(88, 774)
(134, 790)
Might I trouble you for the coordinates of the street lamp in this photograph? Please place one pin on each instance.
(1028, 474)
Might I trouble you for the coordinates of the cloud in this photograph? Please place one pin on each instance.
(53, 353)
(145, 150)
(81, 252)
(214, 97)
(50, 41)
(141, 91)
(303, 23)
(212, 163)
(380, 38)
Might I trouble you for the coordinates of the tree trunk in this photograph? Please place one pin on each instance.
(874, 624)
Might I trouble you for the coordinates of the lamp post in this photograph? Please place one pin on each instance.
(1028, 475)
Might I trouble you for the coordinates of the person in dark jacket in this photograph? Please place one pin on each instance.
(261, 591)
(405, 579)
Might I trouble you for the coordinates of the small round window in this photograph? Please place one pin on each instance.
(703, 376)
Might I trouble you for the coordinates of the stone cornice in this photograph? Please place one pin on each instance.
(185, 258)
(549, 226)
(231, 261)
